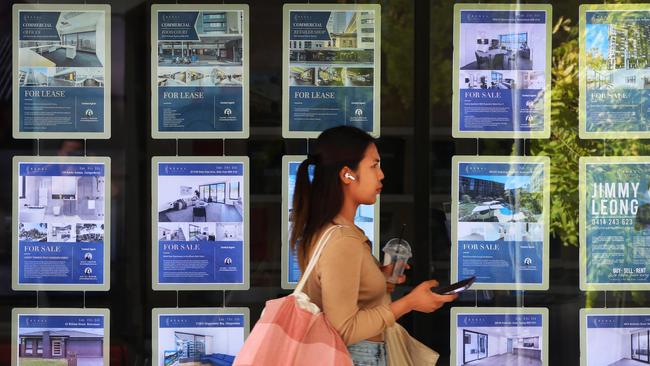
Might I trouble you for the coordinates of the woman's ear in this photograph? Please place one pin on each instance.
(346, 175)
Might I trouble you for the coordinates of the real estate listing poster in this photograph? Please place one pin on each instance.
(614, 223)
(199, 71)
(499, 336)
(41, 336)
(502, 71)
(613, 337)
(614, 71)
(198, 336)
(61, 223)
(200, 221)
(331, 68)
(367, 219)
(61, 71)
(500, 211)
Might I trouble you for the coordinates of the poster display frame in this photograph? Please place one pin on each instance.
(585, 312)
(16, 312)
(456, 131)
(286, 11)
(546, 201)
(582, 79)
(157, 312)
(156, 285)
(16, 117)
(189, 8)
(456, 311)
(59, 160)
(582, 188)
(286, 160)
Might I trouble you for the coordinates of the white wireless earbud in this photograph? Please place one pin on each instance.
(349, 176)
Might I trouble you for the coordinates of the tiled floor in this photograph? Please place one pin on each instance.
(216, 212)
(507, 360)
(627, 363)
(82, 59)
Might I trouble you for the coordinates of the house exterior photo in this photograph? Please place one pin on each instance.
(61, 344)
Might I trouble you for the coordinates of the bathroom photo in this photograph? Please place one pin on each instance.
(230, 231)
(61, 199)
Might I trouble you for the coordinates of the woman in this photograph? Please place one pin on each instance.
(347, 283)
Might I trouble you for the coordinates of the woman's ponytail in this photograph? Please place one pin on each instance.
(300, 210)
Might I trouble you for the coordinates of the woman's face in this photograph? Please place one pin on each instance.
(369, 175)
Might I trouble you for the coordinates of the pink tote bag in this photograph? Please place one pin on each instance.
(293, 331)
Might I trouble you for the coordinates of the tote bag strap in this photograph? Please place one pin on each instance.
(314, 258)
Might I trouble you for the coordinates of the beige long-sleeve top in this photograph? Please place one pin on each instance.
(349, 287)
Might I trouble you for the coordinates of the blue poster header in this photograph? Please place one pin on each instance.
(619, 17)
(309, 25)
(202, 321)
(498, 169)
(61, 169)
(199, 169)
(39, 26)
(618, 321)
(178, 25)
(61, 321)
(503, 16)
(499, 320)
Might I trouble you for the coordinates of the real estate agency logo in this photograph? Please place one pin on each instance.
(175, 321)
(35, 321)
(173, 169)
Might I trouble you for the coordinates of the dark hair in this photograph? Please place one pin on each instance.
(316, 203)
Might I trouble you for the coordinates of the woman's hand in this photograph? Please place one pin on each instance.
(388, 271)
(424, 300)
(421, 299)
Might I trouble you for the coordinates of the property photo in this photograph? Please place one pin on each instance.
(219, 43)
(199, 346)
(500, 198)
(89, 232)
(502, 46)
(80, 43)
(31, 231)
(64, 233)
(625, 345)
(499, 346)
(200, 76)
(616, 55)
(61, 199)
(61, 347)
(207, 199)
(351, 40)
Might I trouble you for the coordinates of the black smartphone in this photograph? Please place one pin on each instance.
(457, 287)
